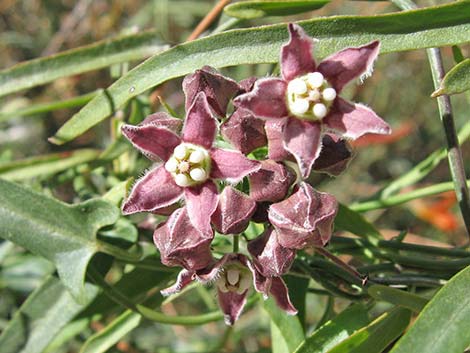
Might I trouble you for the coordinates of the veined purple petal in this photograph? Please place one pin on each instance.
(305, 218)
(244, 131)
(267, 99)
(185, 277)
(231, 165)
(296, 55)
(354, 120)
(200, 127)
(280, 294)
(201, 202)
(334, 157)
(347, 64)
(274, 132)
(303, 140)
(271, 182)
(155, 141)
(154, 190)
(233, 211)
(271, 258)
(217, 88)
(181, 244)
(162, 119)
(231, 304)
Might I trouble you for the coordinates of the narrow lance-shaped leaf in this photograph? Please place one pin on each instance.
(62, 233)
(429, 27)
(398, 297)
(457, 80)
(262, 8)
(443, 325)
(75, 61)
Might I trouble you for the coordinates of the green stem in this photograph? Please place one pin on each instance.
(236, 243)
(403, 198)
(454, 153)
(408, 280)
(47, 107)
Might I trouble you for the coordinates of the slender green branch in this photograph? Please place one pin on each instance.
(236, 245)
(409, 280)
(454, 154)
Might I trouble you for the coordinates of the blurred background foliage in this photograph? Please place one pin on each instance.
(399, 91)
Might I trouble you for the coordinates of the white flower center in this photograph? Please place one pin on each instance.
(234, 278)
(189, 165)
(310, 96)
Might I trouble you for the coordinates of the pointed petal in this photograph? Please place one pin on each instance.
(348, 64)
(303, 140)
(280, 294)
(154, 141)
(201, 202)
(247, 84)
(305, 218)
(231, 165)
(181, 244)
(296, 55)
(271, 182)
(232, 305)
(162, 119)
(233, 211)
(244, 131)
(271, 258)
(274, 132)
(354, 120)
(266, 100)
(217, 88)
(154, 190)
(200, 127)
(335, 155)
(185, 277)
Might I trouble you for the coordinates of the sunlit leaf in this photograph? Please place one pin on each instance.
(263, 8)
(456, 80)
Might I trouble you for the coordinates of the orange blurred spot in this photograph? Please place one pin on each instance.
(437, 212)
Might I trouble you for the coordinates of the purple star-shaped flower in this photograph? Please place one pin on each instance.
(191, 163)
(304, 103)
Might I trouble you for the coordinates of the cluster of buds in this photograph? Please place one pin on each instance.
(304, 123)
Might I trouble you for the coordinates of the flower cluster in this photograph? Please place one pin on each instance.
(305, 124)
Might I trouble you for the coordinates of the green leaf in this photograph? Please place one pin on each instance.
(354, 222)
(443, 325)
(336, 330)
(298, 289)
(430, 27)
(375, 337)
(46, 164)
(457, 80)
(42, 316)
(398, 297)
(64, 234)
(288, 325)
(263, 8)
(111, 334)
(87, 58)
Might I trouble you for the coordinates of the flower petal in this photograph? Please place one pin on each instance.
(231, 304)
(244, 131)
(303, 140)
(154, 190)
(296, 55)
(274, 132)
(155, 141)
(231, 165)
(201, 202)
(185, 277)
(305, 218)
(200, 127)
(354, 120)
(217, 88)
(267, 99)
(181, 244)
(347, 64)
(280, 294)
(335, 155)
(162, 119)
(233, 211)
(271, 258)
(271, 182)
